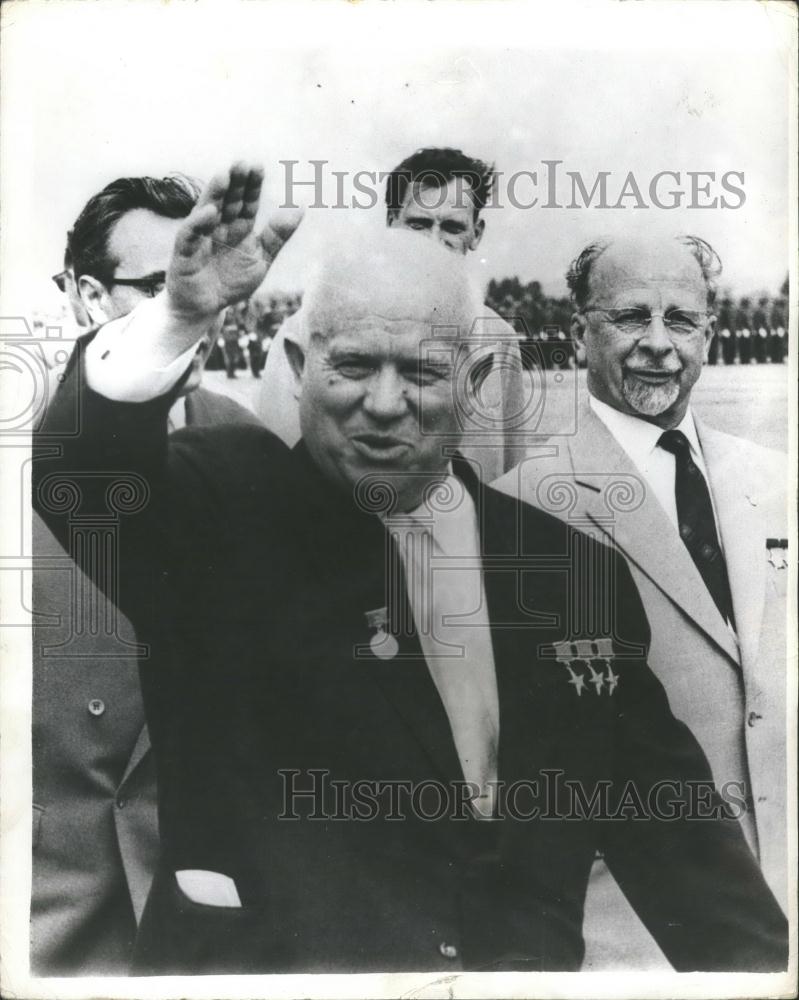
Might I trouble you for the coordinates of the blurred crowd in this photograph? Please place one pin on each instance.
(751, 333)
(247, 333)
(749, 330)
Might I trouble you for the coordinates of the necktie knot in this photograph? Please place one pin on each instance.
(675, 442)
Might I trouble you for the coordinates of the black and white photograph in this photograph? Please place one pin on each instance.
(398, 558)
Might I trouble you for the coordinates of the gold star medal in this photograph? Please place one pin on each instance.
(605, 653)
(564, 653)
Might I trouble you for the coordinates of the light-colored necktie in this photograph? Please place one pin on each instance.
(447, 598)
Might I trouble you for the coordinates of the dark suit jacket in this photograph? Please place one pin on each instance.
(250, 576)
(205, 408)
(95, 826)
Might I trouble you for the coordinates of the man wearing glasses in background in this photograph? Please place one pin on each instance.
(701, 517)
(95, 834)
(120, 247)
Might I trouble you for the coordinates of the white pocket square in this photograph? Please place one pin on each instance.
(210, 888)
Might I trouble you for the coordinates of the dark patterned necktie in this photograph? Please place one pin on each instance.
(696, 522)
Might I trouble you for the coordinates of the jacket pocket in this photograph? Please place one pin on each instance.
(178, 936)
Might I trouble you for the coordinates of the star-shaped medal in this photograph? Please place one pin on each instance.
(577, 680)
(596, 679)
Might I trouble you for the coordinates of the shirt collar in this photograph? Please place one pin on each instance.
(638, 437)
(449, 514)
(177, 414)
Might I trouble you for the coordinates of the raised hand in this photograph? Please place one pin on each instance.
(218, 258)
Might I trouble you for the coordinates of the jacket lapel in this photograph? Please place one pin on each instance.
(370, 577)
(523, 619)
(743, 532)
(408, 685)
(140, 750)
(406, 680)
(610, 494)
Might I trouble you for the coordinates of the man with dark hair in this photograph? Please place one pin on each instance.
(439, 193)
(116, 243)
(701, 517)
(375, 616)
(120, 246)
(96, 831)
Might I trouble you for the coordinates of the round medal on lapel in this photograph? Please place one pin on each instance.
(383, 645)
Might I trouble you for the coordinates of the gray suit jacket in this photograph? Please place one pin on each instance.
(95, 824)
(731, 693)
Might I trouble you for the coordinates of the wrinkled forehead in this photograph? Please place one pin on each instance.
(662, 273)
(384, 336)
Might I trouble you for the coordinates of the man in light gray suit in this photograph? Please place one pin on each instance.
(701, 517)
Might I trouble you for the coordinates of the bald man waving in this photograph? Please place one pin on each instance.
(387, 738)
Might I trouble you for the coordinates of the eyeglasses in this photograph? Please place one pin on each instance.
(150, 284)
(636, 321)
(60, 280)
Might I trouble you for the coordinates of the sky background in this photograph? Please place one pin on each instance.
(93, 91)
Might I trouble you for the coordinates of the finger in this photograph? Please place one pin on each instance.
(278, 230)
(201, 223)
(215, 190)
(241, 214)
(252, 193)
(234, 196)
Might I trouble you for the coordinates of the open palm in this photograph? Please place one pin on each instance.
(218, 258)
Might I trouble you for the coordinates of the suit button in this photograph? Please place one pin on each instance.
(96, 706)
(448, 950)
(753, 717)
(121, 802)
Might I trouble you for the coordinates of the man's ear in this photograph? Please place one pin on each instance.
(95, 298)
(479, 229)
(710, 332)
(296, 356)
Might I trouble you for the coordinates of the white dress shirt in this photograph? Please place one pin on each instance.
(141, 355)
(439, 544)
(177, 415)
(639, 438)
